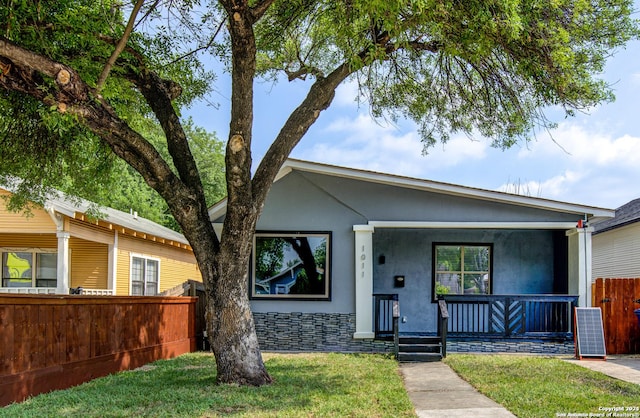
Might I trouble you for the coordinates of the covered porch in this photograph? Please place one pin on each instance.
(539, 271)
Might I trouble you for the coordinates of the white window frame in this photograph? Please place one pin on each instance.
(144, 287)
(34, 267)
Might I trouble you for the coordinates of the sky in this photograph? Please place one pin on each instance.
(591, 159)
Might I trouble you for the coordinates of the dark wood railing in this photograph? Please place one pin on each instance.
(384, 323)
(511, 316)
(443, 325)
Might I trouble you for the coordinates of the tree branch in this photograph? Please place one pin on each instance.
(260, 9)
(319, 98)
(120, 46)
(156, 92)
(73, 96)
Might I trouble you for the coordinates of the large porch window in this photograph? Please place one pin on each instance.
(462, 269)
(29, 268)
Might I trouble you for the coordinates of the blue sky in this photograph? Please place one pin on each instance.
(595, 159)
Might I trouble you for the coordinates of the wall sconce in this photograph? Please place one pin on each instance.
(398, 281)
(381, 259)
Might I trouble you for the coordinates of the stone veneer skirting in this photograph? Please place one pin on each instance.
(511, 346)
(296, 331)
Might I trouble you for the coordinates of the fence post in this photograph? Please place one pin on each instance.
(396, 315)
(443, 324)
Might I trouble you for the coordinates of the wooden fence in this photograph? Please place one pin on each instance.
(55, 342)
(618, 298)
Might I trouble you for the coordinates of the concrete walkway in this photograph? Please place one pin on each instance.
(438, 392)
(623, 367)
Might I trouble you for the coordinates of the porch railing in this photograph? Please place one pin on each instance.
(383, 317)
(511, 316)
(53, 290)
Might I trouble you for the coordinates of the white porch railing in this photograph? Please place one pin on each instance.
(29, 290)
(97, 292)
(52, 291)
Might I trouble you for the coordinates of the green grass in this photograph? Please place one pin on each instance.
(305, 385)
(532, 386)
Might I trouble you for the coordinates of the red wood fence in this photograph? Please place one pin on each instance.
(55, 342)
(618, 299)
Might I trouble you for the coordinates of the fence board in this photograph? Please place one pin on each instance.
(53, 342)
(6, 325)
(616, 297)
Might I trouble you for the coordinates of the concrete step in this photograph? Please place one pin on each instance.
(419, 348)
(418, 340)
(419, 357)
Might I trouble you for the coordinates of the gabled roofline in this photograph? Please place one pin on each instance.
(290, 165)
(109, 217)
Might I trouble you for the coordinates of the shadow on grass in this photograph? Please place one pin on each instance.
(305, 385)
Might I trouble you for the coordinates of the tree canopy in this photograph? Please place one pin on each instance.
(78, 78)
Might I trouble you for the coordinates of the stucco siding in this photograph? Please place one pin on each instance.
(389, 203)
(310, 202)
(295, 204)
(616, 253)
(523, 263)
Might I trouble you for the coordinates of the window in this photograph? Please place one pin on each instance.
(29, 268)
(291, 265)
(462, 269)
(145, 273)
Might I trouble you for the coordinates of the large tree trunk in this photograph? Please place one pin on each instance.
(230, 321)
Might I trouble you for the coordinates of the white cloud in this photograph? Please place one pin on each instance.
(365, 143)
(575, 145)
(346, 94)
(557, 187)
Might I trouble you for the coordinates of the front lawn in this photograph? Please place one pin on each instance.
(532, 386)
(309, 385)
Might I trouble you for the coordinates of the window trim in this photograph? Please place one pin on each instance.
(144, 287)
(434, 296)
(34, 267)
(277, 235)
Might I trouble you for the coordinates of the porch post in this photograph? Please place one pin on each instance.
(63, 263)
(112, 269)
(580, 264)
(364, 281)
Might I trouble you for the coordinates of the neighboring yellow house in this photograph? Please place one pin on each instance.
(59, 247)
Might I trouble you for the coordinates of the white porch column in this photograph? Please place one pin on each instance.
(364, 281)
(63, 263)
(580, 264)
(112, 269)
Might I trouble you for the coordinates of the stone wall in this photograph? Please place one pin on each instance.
(513, 346)
(297, 331)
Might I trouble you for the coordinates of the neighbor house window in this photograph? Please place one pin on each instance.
(462, 269)
(29, 268)
(145, 274)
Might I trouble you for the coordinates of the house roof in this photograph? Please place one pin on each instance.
(290, 165)
(80, 209)
(626, 214)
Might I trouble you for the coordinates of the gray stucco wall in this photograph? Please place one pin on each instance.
(522, 263)
(523, 260)
(295, 204)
